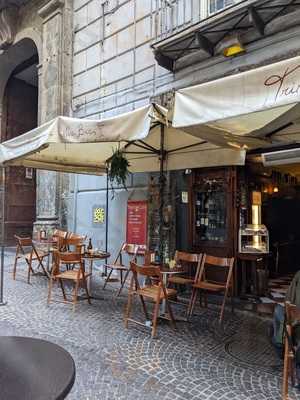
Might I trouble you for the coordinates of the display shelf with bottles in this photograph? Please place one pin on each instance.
(253, 239)
(212, 211)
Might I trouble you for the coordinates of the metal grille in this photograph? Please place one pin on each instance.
(174, 15)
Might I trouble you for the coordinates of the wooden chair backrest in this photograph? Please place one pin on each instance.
(221, 266)
(129, 249)
(148, 256)
(181, 256)
(23, 241)
(77, 243)
(60, 234)
(149, 271)
(75, 236)
(62, 258)
(69, 257)
(190, 262)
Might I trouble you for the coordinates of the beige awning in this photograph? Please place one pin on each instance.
(248, 110)
(84, 146)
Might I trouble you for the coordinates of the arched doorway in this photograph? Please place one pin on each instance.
(19, 115)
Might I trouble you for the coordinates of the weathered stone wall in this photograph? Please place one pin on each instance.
(114, 68)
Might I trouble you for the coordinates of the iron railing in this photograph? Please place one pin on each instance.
(172, 16)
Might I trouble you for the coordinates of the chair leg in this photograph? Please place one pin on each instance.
(144, 308)
(193, 301)
(87, 290)
(172, 319)
(75, 294)
(128, 308)
(107, 278)
(123, 283)
(232, 300)
(154, 319)
(15, 269)
(285, 379)
(223, 306)
(28, 273)
(63, 289)
(292, 370)
(190, 303)
(50, 290)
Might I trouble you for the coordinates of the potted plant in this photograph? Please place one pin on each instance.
(118, 170)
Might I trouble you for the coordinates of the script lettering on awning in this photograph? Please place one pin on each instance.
(284, 88)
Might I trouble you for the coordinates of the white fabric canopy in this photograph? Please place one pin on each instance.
(84, 146)
(243, 109)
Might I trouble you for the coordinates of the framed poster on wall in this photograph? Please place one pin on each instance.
(137, 221)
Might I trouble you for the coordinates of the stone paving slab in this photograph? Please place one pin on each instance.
(197, 361)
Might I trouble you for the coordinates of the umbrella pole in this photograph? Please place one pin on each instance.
(161, 190)
(106, 222)
(2, 302)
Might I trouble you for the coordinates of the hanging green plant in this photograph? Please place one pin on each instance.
(118, 170)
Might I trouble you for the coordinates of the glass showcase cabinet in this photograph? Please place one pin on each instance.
(212, 210)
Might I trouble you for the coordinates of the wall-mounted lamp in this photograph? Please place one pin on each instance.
(233, 50)
(231, 46)
(275, 189)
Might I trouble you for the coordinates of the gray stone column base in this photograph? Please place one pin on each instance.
(46, 225)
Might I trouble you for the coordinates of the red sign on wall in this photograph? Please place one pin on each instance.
(136, 229)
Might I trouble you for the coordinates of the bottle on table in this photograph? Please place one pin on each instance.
(90, 246)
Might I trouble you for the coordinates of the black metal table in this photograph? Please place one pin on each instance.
(34, 369)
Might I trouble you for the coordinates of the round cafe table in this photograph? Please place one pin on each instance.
(166, 271)
(90, 257)
(34, 369)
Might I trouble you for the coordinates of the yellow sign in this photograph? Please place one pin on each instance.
(99, 215)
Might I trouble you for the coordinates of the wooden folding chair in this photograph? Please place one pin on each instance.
(29, 256)
(155, 292)
(216, 276)
(126, 249)
(75, 243)
(292, 317)
(190, 262)
(78, 276)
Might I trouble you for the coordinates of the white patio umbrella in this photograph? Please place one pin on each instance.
(84, 146)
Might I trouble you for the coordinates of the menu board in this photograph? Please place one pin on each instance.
(136, 229)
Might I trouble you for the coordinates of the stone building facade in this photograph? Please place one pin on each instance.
(98, 58)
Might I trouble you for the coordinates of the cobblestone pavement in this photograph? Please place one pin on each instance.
(197, 361)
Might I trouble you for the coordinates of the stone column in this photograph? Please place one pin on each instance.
(51, 105)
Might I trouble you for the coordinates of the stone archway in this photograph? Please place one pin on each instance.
(19, 115)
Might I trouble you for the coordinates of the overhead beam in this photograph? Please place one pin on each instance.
(204, 43)
(256, 20)
(164, 61)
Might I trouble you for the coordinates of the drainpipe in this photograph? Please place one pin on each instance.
(2, 302)
(75, 203)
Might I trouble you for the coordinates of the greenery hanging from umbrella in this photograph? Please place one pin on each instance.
(118, 170)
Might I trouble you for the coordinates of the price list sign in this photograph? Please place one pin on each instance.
(136, 230)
